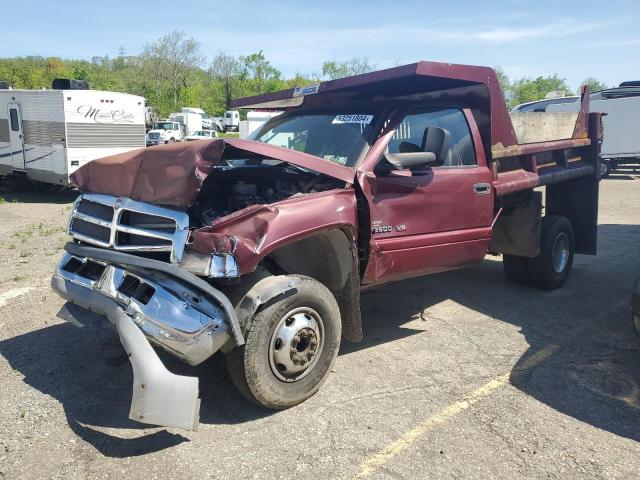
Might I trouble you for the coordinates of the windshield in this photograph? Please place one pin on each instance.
(201, 133)
(338, 136)
(163, 126)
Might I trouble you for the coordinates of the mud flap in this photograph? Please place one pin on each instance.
(159, 396)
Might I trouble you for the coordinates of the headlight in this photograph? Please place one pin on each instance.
(217, 265)
(223, 266)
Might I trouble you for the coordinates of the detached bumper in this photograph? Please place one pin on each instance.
(149, 305)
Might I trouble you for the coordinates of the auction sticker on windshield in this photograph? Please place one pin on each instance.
(353, 118)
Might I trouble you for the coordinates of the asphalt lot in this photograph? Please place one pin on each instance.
(460, 375)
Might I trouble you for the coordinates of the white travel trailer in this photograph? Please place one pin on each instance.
(48, 134)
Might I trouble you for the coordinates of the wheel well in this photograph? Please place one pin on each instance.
(326, 256)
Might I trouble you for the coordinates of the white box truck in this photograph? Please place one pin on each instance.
(192, 121)
(255, 120)
(46, 135)
(231, 121)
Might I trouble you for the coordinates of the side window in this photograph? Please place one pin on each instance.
(410, 135)
(13, 113)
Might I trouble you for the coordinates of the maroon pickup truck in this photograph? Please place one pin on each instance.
(260, 248)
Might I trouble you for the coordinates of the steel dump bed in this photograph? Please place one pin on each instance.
(525, 150)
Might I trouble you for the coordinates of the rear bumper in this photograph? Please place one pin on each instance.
(150, 306)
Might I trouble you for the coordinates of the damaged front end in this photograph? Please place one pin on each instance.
(154, 251)
(149, 301)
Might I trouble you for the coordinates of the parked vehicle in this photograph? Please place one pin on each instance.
(150, 117)
(202, 135)
(255, 120)
(621, 143)
(166, 131)
(259, 249)
(231, 121)
(217, 124)
(192, 121)
(45, 135)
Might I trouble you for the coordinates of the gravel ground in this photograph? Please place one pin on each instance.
(460, 375)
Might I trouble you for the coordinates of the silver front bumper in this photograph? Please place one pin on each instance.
(150, 307)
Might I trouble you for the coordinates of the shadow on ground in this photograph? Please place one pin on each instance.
(37, 193)
(583, 360)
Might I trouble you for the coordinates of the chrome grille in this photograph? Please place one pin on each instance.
(127, 225)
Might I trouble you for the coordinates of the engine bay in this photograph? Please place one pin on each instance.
(232, 188)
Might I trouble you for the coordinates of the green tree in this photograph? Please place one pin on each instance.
(259, 75)
(226, 70)
(333, 69)
(529, 90)
(172, 61)
(594, 84)
(503, 80)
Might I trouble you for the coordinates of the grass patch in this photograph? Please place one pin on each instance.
(228, 135)
(19, 278)
(25, 254)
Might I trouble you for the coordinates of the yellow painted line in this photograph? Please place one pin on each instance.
(373, 463)
(370, 465)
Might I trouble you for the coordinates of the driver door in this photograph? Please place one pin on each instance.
(430, 219)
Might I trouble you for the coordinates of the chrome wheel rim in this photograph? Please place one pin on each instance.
(560, 254)
(296, 344)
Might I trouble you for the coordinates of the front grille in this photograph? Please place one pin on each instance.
(124, 239)
(128, 225)
(149, 222)
(91, 230)
(97, 210)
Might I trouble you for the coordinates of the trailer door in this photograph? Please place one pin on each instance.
(16, 137)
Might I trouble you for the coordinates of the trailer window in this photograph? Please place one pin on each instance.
(15, 126)
(409, 135)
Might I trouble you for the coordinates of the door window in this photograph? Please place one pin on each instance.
(410, 135)
(15, 125)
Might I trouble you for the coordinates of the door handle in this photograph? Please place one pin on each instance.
(481, 188)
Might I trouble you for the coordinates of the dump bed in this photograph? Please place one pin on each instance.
(525, 150)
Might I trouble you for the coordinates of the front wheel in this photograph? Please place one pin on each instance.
(552, 266)
(289, 348)
(605, 168)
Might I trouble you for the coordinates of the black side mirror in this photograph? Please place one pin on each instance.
(409, 160)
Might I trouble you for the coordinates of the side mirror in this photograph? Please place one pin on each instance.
(410, 160)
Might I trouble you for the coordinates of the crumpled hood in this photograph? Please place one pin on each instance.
(173, 174)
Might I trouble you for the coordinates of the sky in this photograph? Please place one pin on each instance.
(575, 39)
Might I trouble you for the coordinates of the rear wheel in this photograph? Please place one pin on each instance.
(289, 348)
(552, 266)
(605, 168)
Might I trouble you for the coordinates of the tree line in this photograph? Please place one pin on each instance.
(174, 71)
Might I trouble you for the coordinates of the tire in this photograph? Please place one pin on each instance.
(516, 269)
(256, 368)
(551, 268)
(172, 140)
(605, 168)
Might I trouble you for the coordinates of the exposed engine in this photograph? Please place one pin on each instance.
(228, 191)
